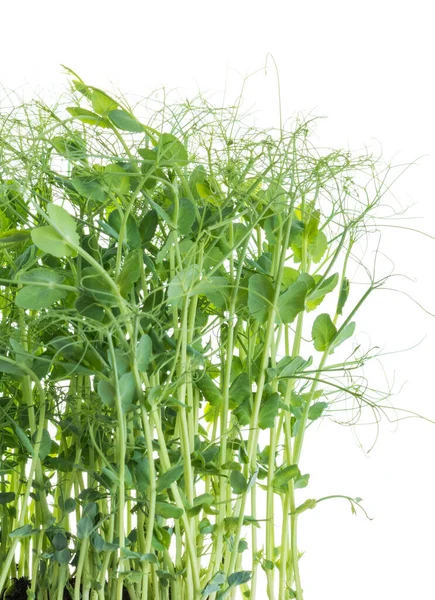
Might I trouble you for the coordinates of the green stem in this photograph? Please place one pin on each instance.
(82, 558)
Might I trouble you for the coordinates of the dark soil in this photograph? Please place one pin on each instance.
(18, 590)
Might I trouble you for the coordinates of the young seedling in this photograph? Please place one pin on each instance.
(176, 309)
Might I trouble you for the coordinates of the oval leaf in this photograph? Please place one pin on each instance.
(122, 120)
(238, 482)
(260, 297)
(143, 352)
(21, 532)
(6, 497)
(48, 240)
(64, 222)
(166, 479)
(168, 511)
(323, 332)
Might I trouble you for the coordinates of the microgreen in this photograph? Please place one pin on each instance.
(171, 295)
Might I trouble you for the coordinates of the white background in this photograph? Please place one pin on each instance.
(368, 67)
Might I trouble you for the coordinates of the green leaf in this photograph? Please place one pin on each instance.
(168, 511)
(102, 103)
(181, 284)
(41, 274)
(149, 155)
(342, 335)
(198, 175)
(160, 211)
(148, 226)
(260, 297)
(275, 197)
(59, 541)
(292, 301)
(131, 234)
(64, 222)
(283, 475)
(316, 410)
(166, 479)
(204, 500)
(171, 151)
(14, 236)
(120, 362)
(97, 287)
(6, 497)
(21, 532)
(318, 293)
(143, 352)
(344, 293)
(72, 148)
(24, 439)
(238, 482)
(109, 476)
(45, 445)
(69, 505)
(243, 412)
(271, 227)
(243, 545)
(240, 390)
(186, 216)
(90, 509)
(215, 289)
(97, 541)
(89, 308)
(302, 481)
(11, 369)
(63, 557)
(36, 297)
(124, 121)
(318, 247)
(235, 579)
(239, 578)
(90, 188)
(149, 557)
(21, 355)
(106, 391)
(323, 332)
(142, 473)
(73, 350)
(116, 179)
(130, 273)
(151, 172)
(209, 389)
(48, 240)
(268, 411)
(205, 192)
(205, 527)
(84, 527)
(127, 387)
(289, 276)
(88, 117)
(289, 368)
(215, 583)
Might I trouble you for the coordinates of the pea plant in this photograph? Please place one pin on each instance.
(172, 297)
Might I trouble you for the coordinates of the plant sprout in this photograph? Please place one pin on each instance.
(176, 311)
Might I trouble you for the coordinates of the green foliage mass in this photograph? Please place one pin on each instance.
(159, 364)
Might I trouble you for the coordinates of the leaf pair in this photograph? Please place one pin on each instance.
(61, 239)
(325, 334)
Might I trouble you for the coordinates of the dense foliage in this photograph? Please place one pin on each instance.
(159, 286)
